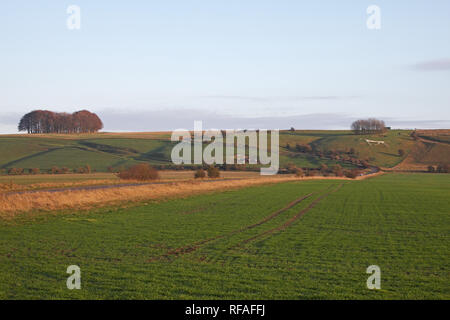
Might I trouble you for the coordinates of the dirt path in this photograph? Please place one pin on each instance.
(426, 140)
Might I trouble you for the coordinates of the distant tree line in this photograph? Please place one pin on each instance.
(44, 121)
(368, 126)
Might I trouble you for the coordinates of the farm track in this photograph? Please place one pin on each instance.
(428, 140)
(190, 248)
(290, 221)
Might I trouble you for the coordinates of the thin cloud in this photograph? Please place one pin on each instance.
(164, 120)
(168, 120)
(433, 65)
(278, 99)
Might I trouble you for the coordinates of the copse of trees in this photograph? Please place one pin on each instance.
(44, 121)
(368, 126)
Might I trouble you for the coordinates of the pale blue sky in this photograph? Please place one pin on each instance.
(309, 64)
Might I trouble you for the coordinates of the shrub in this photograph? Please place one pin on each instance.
(337, 170)
(299, 172)
(365, 164)
(445, 168)
(352, 173)
(142, 172)
(401, 152)
(303, 148)
(199, 174)
(213, 172)
(54, 170)
(431, 169)
(291, 168)
(65, 170)
(15, 171)
(323, 169)
(310, 173)
(79, 170)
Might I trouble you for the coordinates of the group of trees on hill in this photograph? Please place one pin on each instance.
(44, 121)
(368, 126)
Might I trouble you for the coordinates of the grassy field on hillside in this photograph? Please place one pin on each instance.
(297, 240)
(104, 150)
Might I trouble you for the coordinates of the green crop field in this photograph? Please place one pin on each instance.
(298, 240)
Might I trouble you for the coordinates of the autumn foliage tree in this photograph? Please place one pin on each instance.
(44, 121)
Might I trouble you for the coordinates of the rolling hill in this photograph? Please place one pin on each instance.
(114, 150)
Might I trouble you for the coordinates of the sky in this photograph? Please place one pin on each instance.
(160, 65)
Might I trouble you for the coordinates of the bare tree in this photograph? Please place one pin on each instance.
(368, 126)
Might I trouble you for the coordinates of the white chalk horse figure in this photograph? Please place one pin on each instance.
(370, 142)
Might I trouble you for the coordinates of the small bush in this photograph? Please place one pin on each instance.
(365, 164)
(352, 174)
(310, 173)
(401, 152)
(324, 169)
(299, 172)
(54, 170)
(445, 168)
(65, 170)
(337, 170)
(142, 172)
(431, 169)
(213, 172)
(15, 171)
(79, 170)
(199, 174)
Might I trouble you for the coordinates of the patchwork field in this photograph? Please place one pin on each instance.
(104, 151)
(293, 240)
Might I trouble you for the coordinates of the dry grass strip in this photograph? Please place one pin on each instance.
(12, 205)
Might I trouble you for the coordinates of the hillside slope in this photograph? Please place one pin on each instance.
(307, 149)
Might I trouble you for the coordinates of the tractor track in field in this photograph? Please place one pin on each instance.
(290, 221)
(190, 248)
